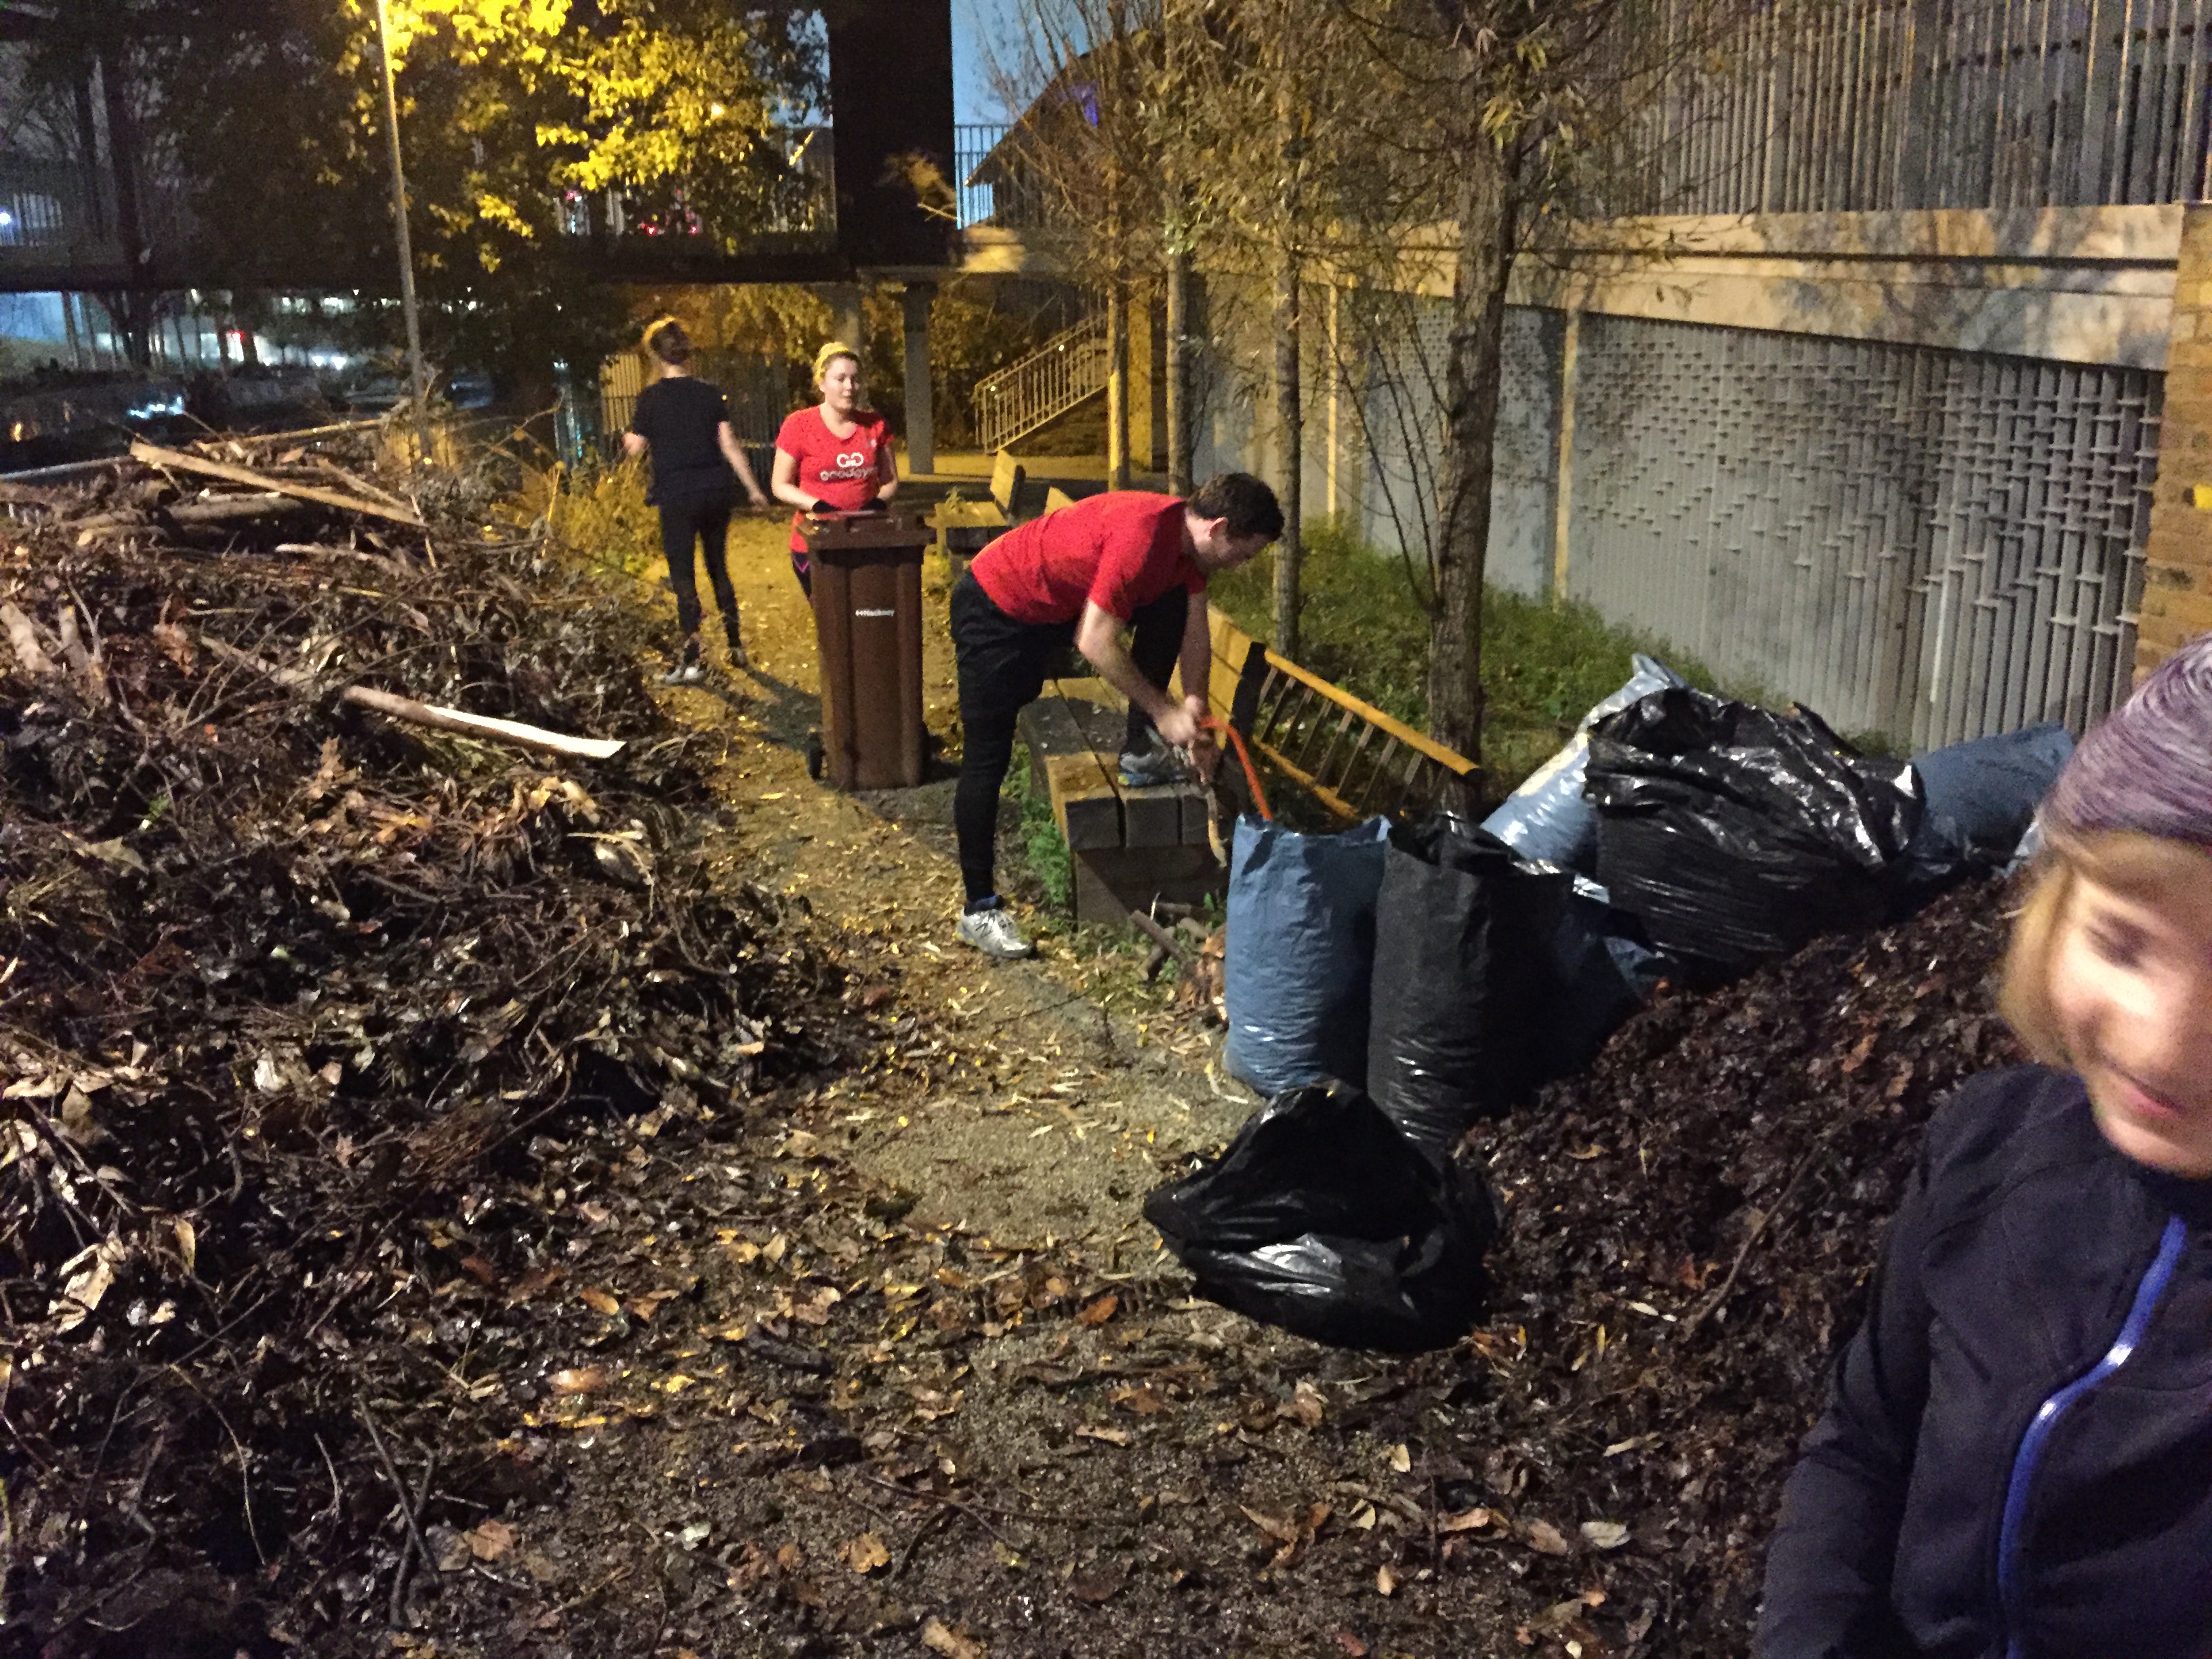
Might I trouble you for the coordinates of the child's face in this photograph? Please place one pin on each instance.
(2131, 991)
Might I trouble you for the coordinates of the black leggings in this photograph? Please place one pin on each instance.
(705, 521)
(1003, 665)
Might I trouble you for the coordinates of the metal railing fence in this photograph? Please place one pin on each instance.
(802, 207)
(754, 388)
(973, 142)
(1041, 388)
(1846, 106)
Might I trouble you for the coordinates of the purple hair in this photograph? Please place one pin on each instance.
(2148, 766)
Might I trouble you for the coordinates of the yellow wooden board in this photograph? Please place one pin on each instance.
(1085, 783)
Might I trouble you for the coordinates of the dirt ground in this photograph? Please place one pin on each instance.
(1060, 1070)
(823, 1321)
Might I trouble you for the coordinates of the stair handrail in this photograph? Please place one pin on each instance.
(1033, 391)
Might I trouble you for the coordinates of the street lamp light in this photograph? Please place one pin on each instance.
(406, 244)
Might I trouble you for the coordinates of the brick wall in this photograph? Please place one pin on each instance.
(2177, 603)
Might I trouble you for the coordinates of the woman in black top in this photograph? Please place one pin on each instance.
(685, 423)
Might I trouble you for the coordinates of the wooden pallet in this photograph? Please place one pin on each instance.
(1129, 847)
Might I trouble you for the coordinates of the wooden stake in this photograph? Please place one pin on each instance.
(483, 726)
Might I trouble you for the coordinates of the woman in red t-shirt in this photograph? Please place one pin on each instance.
(836, 457)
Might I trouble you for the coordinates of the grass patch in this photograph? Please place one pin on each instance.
(1543, 666)
(1042, 846)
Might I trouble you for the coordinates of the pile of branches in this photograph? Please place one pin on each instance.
(279, 974)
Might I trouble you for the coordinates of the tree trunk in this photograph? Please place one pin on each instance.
(1290, 440)
(1483, 260)
(130, 320)
(1118, 386)
(122, 152)
(1178, 367)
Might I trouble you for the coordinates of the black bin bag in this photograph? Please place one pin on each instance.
(1491, 976)
(1322, 1219)
(1735, 834)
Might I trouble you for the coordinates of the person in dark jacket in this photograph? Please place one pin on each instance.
(2018, 1457)
(684, 422)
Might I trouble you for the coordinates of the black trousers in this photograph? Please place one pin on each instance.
(1003, 666)
(704, 522)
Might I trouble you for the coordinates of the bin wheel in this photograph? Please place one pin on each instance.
(814, 759)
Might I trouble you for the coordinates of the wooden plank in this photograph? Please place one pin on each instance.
(1049, 726)
(1005, 481)
(1114, 881)
(967, 515)
(1198, 814)
(1456, 763)
(1152, 817)
(1085, 804)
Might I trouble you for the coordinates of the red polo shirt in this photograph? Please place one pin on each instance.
(1119, 550)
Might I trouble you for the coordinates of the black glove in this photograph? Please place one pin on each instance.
(873, 504)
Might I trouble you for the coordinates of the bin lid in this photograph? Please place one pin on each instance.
(831, 532)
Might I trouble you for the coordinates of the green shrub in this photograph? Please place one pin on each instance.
(1543, 664)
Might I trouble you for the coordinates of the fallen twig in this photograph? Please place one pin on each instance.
(970, 1511)
(23, 640)
(1166, 940)
(1711, 1305)
(227, 509)
(154, 455)
(271, 440)
(935, 1519)
(359, 485)
(482, 726)
(226, 651)
(408, 1505)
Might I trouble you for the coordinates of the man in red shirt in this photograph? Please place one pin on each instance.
(1128, 559)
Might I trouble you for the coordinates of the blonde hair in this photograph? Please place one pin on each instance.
(2129, 861)
(829, 354)
(666, 338)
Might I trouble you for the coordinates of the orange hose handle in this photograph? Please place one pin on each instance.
(1251, 774)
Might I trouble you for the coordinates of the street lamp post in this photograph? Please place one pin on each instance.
(406, 243)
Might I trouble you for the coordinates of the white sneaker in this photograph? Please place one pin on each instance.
(686, 670)
(993, 932)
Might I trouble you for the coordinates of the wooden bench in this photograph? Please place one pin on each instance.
(1129, 847)
(965, 528)
(1353, 758)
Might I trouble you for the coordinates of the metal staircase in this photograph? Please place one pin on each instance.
(1042, 386)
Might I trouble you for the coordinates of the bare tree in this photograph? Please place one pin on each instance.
(1259, 129)
(1518, 114)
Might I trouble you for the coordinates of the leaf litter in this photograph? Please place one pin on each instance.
(424, 1233)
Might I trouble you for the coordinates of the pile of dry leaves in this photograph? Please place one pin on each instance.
(280, 976)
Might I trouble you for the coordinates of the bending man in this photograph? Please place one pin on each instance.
(1128, 559)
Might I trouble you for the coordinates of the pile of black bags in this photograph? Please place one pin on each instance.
(1322, 1219)
(1496, 978)
(1453, 968)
